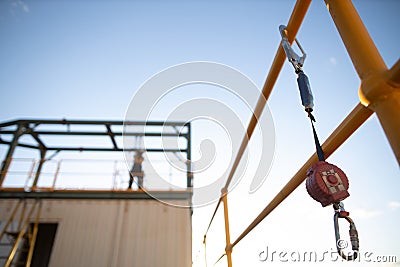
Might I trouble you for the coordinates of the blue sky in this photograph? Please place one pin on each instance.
(86, 59)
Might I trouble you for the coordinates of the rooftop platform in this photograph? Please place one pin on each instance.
(7, 193)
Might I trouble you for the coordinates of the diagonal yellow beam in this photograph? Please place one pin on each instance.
(293, 26)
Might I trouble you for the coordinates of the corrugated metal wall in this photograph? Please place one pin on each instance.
(116, 232)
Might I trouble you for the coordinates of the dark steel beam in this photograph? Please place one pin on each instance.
(20, 144)
(189, 158)
(29, 126)
(91, 122)
(89, 133)
(39, 168)
(35, 136)
(111, 135)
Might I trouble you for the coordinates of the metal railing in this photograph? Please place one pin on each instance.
(67, 173)
(379, 93)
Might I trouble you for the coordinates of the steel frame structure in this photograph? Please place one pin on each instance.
(379, 92)
(17, 128)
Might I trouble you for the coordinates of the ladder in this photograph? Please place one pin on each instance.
(20, 240)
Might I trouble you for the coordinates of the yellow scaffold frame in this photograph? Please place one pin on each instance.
(379, 92)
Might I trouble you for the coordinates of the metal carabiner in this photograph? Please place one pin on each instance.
(307, 98)
(296, 60)
(341, 244)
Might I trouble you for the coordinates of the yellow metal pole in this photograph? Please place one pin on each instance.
(228, 248)
(10, 219)
(388, 112)
(19, 238)
(34, 235)
(379, 89)
(362, 50)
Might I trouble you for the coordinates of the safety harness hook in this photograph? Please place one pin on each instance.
(342, 244)
(296, 60)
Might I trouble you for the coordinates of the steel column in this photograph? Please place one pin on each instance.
(379, 89)
(39, 168)
(7, 160)
(189, 157)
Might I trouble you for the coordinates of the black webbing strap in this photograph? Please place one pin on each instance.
(318, 147)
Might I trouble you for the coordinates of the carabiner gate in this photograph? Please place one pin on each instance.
(340, 244)
(296, 60)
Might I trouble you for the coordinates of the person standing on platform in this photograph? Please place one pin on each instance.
(137, 170)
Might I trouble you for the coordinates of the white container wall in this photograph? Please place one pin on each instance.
(115, 233)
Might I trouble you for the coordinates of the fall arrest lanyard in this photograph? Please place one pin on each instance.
(326, 183)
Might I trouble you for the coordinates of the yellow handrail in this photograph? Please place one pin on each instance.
(379, 93)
